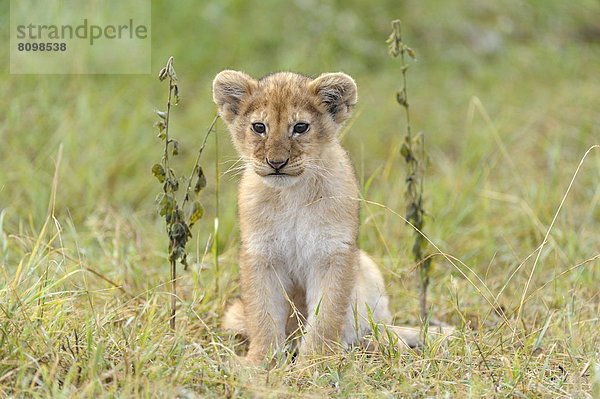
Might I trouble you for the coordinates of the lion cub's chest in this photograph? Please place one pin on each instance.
(295, 229)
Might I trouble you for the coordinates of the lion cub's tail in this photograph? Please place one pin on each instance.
(406, 337)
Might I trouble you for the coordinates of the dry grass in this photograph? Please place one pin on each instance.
(83, 281)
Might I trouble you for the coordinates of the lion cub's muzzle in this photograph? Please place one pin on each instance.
(277, 165)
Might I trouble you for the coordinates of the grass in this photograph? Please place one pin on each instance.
(507, 94)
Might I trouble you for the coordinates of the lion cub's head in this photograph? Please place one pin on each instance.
(283, 123)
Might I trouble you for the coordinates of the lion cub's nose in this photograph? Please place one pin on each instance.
(277, 165)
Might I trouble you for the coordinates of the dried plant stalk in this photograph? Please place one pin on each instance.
(180, 216)
(413, 151)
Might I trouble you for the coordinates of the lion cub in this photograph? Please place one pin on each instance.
(300, 266)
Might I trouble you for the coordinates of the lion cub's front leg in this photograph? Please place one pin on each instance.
(265, 306)
(328, 297)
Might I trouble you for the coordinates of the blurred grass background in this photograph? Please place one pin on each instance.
(507, 93)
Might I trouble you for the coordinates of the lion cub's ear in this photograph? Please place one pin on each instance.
(338, 93)
(229, 90)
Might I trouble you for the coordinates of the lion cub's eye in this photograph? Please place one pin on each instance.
(259, 128)
(300, 128)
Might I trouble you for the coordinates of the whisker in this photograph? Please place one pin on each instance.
(235, 161)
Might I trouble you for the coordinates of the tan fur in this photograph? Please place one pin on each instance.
(300, 266)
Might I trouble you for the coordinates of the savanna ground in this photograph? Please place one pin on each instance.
(508, 96)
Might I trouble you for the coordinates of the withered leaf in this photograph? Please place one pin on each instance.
(159, 172)
(162, 114)
(201, 182)
(197, 213)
